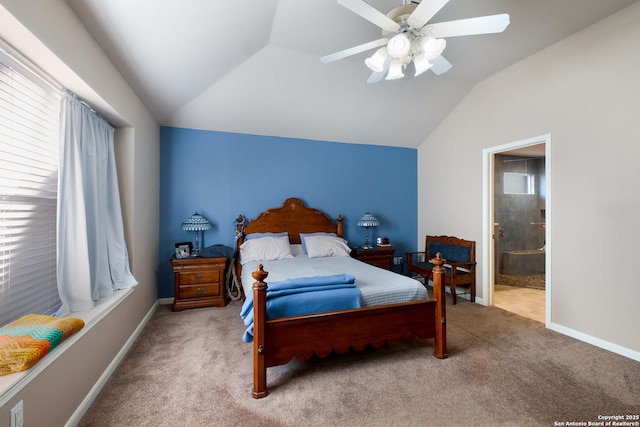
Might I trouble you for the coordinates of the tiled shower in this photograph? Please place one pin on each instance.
(519, 220)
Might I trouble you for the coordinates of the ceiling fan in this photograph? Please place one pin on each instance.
(408, 36)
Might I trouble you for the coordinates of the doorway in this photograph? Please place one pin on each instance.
(516, 238)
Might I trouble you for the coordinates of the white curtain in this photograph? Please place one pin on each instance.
(92, 254)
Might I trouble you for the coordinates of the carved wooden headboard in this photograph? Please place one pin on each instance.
(295, 218)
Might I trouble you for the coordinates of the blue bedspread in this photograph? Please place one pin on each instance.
(304, 295)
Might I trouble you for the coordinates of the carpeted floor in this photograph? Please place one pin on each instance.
(191, 369)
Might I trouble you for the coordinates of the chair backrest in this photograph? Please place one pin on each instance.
(453, 249)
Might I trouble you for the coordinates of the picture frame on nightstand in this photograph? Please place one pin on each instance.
(183, 250)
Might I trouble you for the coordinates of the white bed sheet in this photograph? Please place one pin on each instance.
(377, 285)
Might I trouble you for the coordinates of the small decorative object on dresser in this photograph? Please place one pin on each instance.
(199, 282)
(380, 257)
(383, 242)
(183, 250)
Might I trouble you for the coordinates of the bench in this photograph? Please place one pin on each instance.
(460, 262)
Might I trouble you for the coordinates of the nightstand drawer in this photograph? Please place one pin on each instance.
(193, 264)
(197, 277)
(199, 291)
(368, 257)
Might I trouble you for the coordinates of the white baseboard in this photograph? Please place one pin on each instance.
(615, 348)
(95, 390)
(606, 345)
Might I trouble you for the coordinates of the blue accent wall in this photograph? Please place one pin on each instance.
(222, 175)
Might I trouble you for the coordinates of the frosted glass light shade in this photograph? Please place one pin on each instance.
(395, 71)
(432, 48)
(422, 64)
(399, 46)
(376, 61)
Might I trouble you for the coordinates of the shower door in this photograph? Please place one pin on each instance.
(519, 215)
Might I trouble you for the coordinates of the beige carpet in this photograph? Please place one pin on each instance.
(191, 369)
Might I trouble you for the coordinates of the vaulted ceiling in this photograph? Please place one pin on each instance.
(253, 66)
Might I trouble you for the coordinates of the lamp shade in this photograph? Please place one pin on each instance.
(196, 223)
(395, 71)
(399, 45)
(422, 64)
(433, 47)
(376, 61)
(368, 220)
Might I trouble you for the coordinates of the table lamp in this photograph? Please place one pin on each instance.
(367, 221)
(196, 223)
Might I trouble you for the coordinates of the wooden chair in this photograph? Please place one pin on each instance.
(460, 262)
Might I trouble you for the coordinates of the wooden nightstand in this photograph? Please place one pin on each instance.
(380, 257)
(199, 282)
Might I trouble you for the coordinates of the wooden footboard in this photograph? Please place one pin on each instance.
(277, 341)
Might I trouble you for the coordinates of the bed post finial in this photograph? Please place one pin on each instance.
(259, 319)
(259, 275)
(440, 342)
(339, 228)
(240, 224)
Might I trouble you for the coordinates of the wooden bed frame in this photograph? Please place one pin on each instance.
(277, 341)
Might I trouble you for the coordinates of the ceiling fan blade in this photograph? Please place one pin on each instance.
(440, 65)
(371, 14)
(376, 77)
(353, 50)
(424, 12)
(466, 27)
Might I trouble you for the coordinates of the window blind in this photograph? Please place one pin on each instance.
(29, 121)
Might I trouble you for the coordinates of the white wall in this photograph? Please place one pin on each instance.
(49, 34)
(585, 92)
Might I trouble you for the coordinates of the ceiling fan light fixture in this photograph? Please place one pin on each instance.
(395, 70)
(408, 35)
(432, 47)
(376, 61)
(421, 64)
(399, 45)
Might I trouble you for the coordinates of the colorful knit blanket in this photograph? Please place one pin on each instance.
(28, 339)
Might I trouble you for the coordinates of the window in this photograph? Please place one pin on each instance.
(29, 121)
(519, 183)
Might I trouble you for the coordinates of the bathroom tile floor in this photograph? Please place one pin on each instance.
(525, 302)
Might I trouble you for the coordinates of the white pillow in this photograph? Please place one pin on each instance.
(327, 246)
(265, 249)
(303, 237)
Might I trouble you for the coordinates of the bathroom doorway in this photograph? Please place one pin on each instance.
(516, 209)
